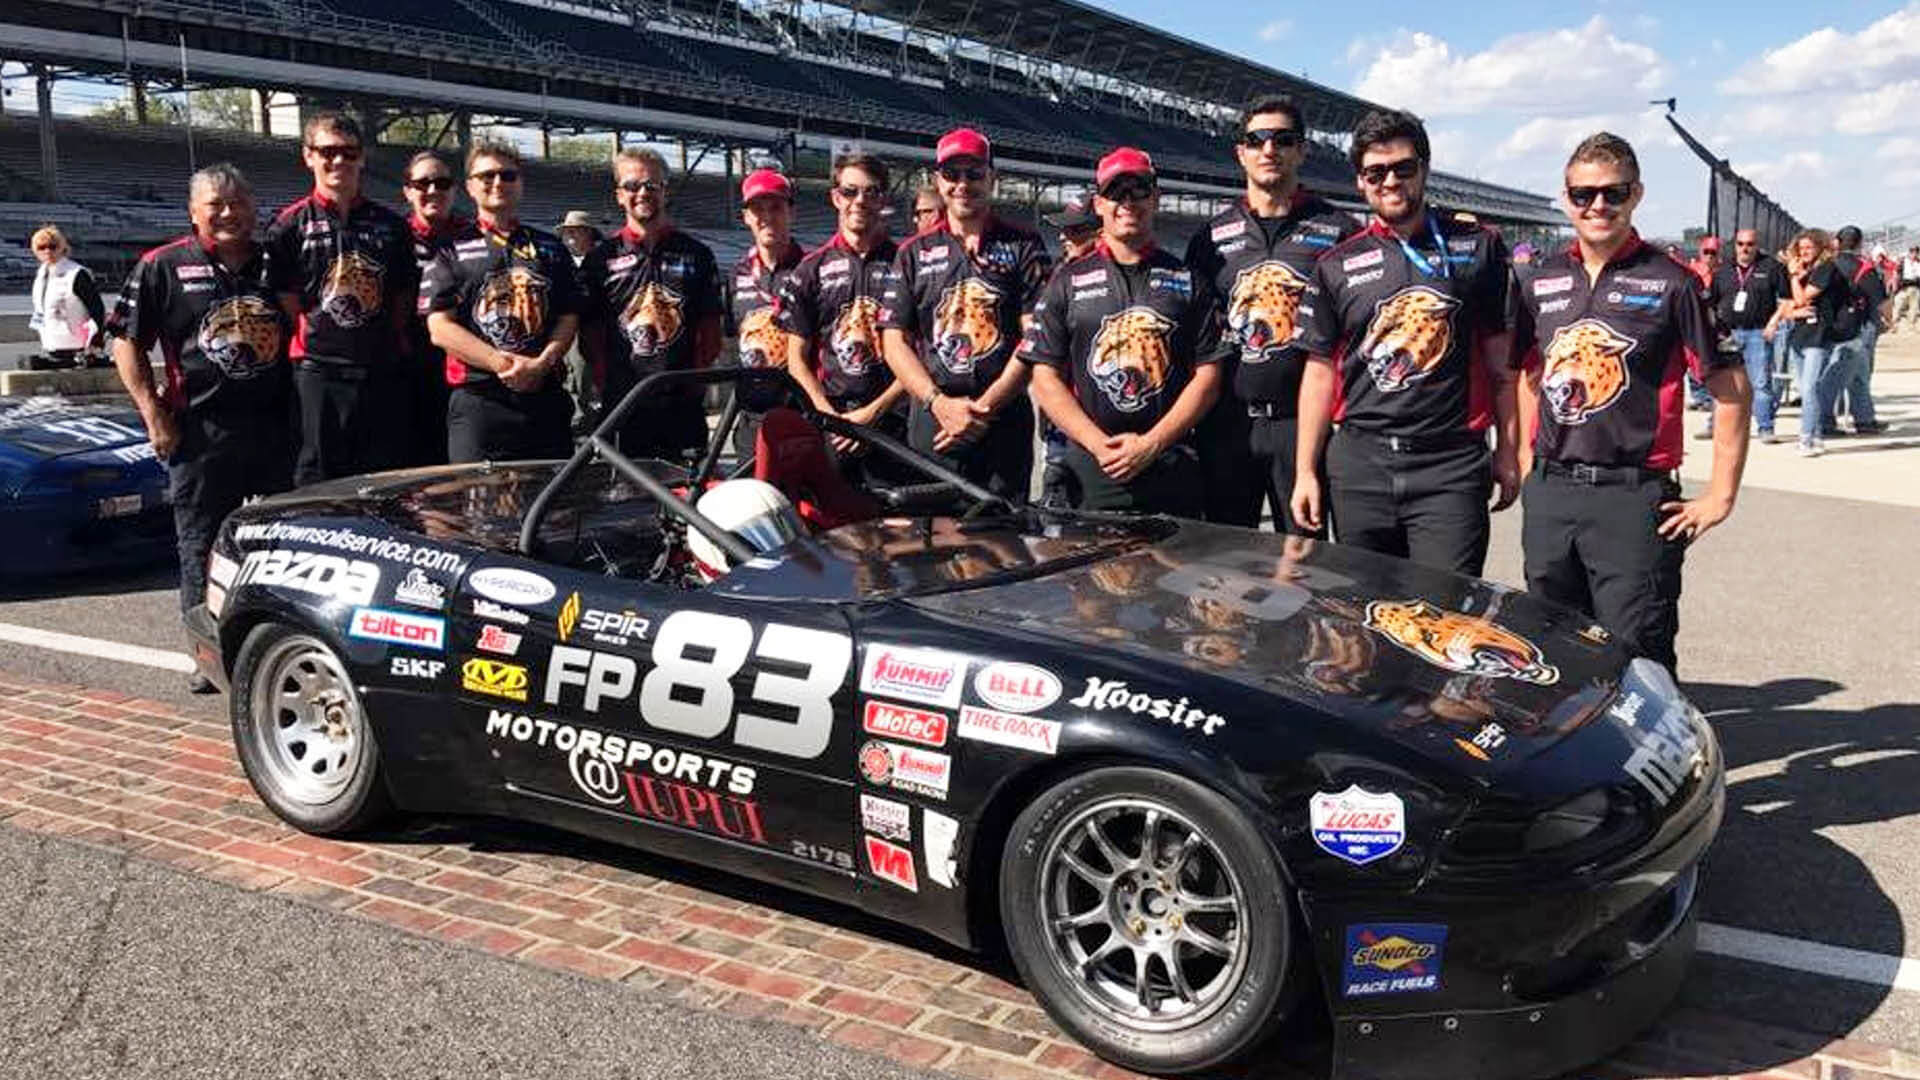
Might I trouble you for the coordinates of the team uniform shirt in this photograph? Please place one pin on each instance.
(1742, 298)
(752, 307)
(221, 331)
(1399, 320)
(962, 309)
(508, 288)
(832, 301)
(1260, 268)
(1610, 356)
(651, 298)
(1126, 338)
(1811, 329)
(346, 271)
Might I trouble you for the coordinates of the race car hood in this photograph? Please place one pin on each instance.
(51, 427)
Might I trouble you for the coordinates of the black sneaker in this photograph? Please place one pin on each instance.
(200, 684)
(1869, 429)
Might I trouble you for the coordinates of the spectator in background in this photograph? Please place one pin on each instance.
(67, 310)
(927, 207)
(1812, 288)
(578, 232)
(1906, 300)
(1523, 254)
(428, 188)
(1742, 299)
(1852, 367)
(1703, 267)
(1078, 229)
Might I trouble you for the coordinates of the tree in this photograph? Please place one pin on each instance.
(583, 150)
(227, 107)
(417, 129)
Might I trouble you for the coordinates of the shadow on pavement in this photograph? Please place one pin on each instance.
(109, 582)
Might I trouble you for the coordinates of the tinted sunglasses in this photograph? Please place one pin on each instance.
(1404, 169)
(641, 187)
(954, 174)
(1617, 194)
(1128, 188)
(852, 193)
(925, 211)
(505, 176)
(339, 151)
(1284, 138)
(431, 183)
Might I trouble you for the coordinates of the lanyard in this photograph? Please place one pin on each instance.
(1444, 269)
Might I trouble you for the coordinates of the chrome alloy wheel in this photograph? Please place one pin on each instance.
(1144, 916)
(308, 725)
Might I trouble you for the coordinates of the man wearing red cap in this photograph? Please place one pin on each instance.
(752, 291)
(952, 318)
(1126, 350)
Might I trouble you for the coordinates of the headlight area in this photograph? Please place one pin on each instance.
(1500, 839)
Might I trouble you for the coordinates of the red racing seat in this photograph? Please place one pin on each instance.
(791, 454)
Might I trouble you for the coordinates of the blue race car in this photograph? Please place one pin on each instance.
(80, 489)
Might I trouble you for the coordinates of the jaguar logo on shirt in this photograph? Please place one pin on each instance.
(241, 336)
(512, 310)
(855, 340)
(1264, 309)
(350, 294)
(652, 320)
(1460, 642)
(1130, 357)
(1585, 370)
(1410, 334)
(965, 328)
(762, 342)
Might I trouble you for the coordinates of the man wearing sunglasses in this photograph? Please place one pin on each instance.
(1604, 330)
(752, 290)
(652, 303)
(344, 268)
(1259, 255)
(429, 188)
(1742, 299)
(1125, 347)
(502, 299)
(1406, 336)
(952, 318)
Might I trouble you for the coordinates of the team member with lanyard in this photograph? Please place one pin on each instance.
(1742, 298)
(752, 291)
(344, 268)
(1605, 330)
(1258, 255)
(951, 321)
(1126, 349)
(830, 307)
(429, 191)
(1412, 312)
(652, 303)
(221, 422)
(501, 298)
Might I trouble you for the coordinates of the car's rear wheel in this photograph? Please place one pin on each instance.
(1149, 919)
(302, 735)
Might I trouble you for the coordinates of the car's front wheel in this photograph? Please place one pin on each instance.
(1149, 919)
(302, 735)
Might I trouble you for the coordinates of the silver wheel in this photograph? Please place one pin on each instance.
(307, 724)
(1145, 918)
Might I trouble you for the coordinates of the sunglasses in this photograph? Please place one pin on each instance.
(1283, 138)
(925, 211)
(853, 193)
(431, 183)
(1128, 188)
(954, 174)
(1404, 169)
(1748, 243)
(45, 247)
(1616, 194)
(505, 176)
(641, 187)
(336, 151)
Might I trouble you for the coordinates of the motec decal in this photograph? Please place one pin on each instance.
(1459, 642)
(928, 676)
(1021, 688)
(904, 723)
(1010, 729)
(1410, 334)
(509, 585)
(330, 576)
(1392, 958)
(495, 679)
(1356, 825)
(891, 862)
(1584, 370)
(398, 628)
(1115, 695)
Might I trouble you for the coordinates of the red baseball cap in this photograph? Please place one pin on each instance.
(765, 182)
(963, 142)
(1122, 161)
(1710, 243)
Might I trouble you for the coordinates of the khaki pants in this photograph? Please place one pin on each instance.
(1906, 306)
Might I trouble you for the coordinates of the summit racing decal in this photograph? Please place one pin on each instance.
(924, 675)
(1116, 696)
(1356, 825)
(329, 576)
(923, 772)
(1459, 642)
(908, 725)
(399, 628)
(1021, 688)
(1392, 958)
(378, 547)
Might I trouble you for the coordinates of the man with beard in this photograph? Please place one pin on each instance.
(429, 191)
(501, 298)
(344, 268)
(652, 303)
(753, 288)
(952, 318)
(1407, 351)
(830, 307)
(220, 423)
(1259, 256)
(1604, 330)
(1125, 347)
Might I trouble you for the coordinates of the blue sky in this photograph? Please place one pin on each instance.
(1819, 106)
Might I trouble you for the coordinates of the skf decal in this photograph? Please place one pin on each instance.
(398, 628)
(891, 862)
(1356, 825)
(411, 667)
(1392, 958)
(1457, 642)
(495, 679)
(924, 675)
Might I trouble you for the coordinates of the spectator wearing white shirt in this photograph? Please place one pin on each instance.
(67, 310)
(1906, 299)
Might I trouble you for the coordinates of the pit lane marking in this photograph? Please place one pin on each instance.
(95, 647)
(1834, 961)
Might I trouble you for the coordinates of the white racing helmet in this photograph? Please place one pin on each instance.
(754, 510)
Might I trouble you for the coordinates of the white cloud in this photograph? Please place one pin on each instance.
(1769, 118)
(1535, 71)
(1904, 154)
(1275, 30)
(1796, 165)
(1887, 108)
(1827, 59)
(1556, 136)
(1455, 151)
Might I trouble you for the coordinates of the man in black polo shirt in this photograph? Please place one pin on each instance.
(221, 422)
(752, 291)
(1405, 331)
(1259, 256)
(344, 268)
(1605, 331)
(1126, 348)
(952, 318)
(652, 303)
(1742, 298)
(501, 298)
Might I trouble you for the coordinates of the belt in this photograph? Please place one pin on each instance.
(340, 372)
(1413, 444)
(1268, 410)
(1598, 475)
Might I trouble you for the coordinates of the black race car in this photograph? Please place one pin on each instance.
(1196, 778)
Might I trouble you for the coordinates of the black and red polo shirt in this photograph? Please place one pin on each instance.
(1126, 336)
(509, 287)
(1400, 318)
(651, 298)
(752, 297)
(222, 331)
(961, 307)
(346, 266)
(428, 239)
(832, 300)
(1260, 268)
(1609, 356)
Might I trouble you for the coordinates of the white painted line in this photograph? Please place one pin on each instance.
(105, 650)
(1856, 965)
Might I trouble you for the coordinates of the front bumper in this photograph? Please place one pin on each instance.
(203, 634)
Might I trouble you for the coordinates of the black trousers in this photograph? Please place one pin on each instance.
(223, 457)
(1001, 460)
(1249, 461)
(1593, 546)
(1172, 484)
(1427, 505)
(488, 422)
(427, 395)
(671, 426)
(352, 421)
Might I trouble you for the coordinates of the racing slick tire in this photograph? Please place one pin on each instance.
(1149, 918)
(302, 735)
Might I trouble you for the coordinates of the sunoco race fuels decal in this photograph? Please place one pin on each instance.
(1358, 826)
(928, 676)
(1392, 958)
(905, 723)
